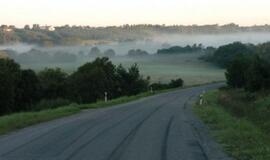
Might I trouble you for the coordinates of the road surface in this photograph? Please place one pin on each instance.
(160, 127)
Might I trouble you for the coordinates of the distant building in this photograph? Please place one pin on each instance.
(48, 28)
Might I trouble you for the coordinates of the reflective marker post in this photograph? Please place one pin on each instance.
(106, 97)
(201, 98)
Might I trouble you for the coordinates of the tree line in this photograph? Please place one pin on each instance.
(70, 35)
(26, 90)
(247, 65)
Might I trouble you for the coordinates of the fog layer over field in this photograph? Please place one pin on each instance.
(160, 41)
(160, 68)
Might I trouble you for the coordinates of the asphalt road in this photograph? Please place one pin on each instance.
(161, 127)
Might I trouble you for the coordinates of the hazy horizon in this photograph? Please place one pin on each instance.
(119, 12)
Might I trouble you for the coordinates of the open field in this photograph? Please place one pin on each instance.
(159, 68)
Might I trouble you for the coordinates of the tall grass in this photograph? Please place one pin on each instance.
(241, 139)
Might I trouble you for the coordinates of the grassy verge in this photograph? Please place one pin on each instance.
(20, 120)
(240, 137)
(113, 102)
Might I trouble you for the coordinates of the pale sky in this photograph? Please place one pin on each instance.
(118, 12)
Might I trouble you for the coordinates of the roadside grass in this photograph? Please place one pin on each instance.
(20, 120)
(125, 99)
(15, 121)
(240, 137)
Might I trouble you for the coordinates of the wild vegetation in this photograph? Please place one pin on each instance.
(239, 113)
(25, 90)
(239, 124)
(178, 49)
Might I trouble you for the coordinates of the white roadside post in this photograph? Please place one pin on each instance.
(201, 98)
(151, 90)
(106, 96)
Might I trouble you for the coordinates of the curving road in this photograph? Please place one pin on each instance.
(160, 127)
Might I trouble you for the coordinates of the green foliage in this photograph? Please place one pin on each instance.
(263, 50)
(255, 109)
(179, 49)
(137, 52)
(173, 84)
(95, 52)
(225, 54)
(9, 78)
(24, 90)
(92, 80)
(53, 83)
(235, 74)
(246, 65)
(51, 104)
(258, 75)
(28, 90)
(130, 81)
(241, 138)
(249, 72)
(109, 53)
(176, 83)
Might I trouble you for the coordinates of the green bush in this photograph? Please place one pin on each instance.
(51, 103)
(240, 137)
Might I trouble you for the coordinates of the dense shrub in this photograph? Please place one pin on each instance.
(258, 75)
(53, 83)
(235, 74)
(179, 49)
(51, 103)
(225, 54)
(92, 80)
(173, 84)
(24, 90)
(28, 90)
(176, 83)
(137, 52)
(131, 81)
(9, 79)
(249, 72)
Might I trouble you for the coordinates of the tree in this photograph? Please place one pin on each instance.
(109, 53)
(236, 71)
(9, 76)
(176, 83)
(95, 52)
(53, 83)
(225, 54)
(137, 52)
(28, 90)
(263, 51)
(131, 82)
(27, 27)
(92, 80)
(258, 75)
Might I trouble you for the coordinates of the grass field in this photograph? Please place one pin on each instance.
(159, 68)
(241, 137)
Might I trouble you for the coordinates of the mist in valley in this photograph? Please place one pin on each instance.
(160, 68)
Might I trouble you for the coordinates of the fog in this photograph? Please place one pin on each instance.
(157, 42)
(160, 68)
